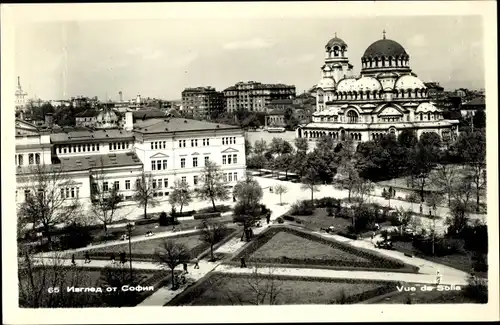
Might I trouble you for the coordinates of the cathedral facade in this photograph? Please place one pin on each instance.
(386, 98)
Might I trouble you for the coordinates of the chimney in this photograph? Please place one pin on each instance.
(129, 121)
(121, 96)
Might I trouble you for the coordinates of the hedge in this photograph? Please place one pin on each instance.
(145, 221)
(289, 218)
(218, 208)
(201, 216)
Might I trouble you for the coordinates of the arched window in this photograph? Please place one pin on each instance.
(30, 159)
(336, 51)
(37, 159)
(428, 116)
(352, 117)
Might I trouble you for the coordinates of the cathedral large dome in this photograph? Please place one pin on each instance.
(385, 48)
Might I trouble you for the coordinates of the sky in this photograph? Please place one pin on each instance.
(158, 58)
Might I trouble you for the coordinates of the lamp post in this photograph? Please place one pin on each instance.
(433, 218)
(129, 230)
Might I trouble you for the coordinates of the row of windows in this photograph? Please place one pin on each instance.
(70, 192)
(118, 146)
(79, 148)
(228, 140)
(226, 159)
(32, 159)
(159, 145)
(230, 177)
(158, 164)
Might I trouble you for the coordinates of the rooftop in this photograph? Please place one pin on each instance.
(83, 163)
(475, 102)
(177, 125)
(88, 134)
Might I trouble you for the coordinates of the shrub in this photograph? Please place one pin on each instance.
(477, 289)
(394, 219)
(327, 202)
(280, 220)
(219, 208)
(184, 213)
(479, 262)
(348, 235)
(288, 218)
(75, 237)
(302, 208)
(329, 211)
(163, 219)
(145, 221)
(442, 246)
(344, 213)
(413, 197)
(202, 216)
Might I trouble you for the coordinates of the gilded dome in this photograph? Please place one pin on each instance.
(385, 48)
(409, 82)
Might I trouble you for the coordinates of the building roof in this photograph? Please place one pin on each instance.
(83, 163)
(89, 112)
(385, 48)
(166, 125)
(479, 101)
(89, 135)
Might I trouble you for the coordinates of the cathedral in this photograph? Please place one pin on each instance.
(386, 98)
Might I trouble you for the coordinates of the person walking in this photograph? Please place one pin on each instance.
(87, 257)
(234, 198)
(243, 264)
(112, 258)
(196, 265)
(268, 217)
(73, 260)
(438, 277)
(122, 257)
(185, 267)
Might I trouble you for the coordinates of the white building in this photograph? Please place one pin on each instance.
(170, 149)
(386, 98)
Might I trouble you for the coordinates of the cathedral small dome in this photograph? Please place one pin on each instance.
(426, 107)
(335, 41)
(368, 83)
(409, 82)
(348, 84)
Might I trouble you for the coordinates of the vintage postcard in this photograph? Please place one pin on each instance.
(275, 162)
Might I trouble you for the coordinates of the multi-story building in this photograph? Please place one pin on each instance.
(387, 97)
(167, 148)
(255, 96)
(202, 102)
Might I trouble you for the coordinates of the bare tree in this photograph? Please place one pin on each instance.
(258, 288)
(363, 189)
(212, 233)
(213, 184)
(105, 198)
(444, 178)
(51, 197)
(349, 177)
(170, 255)
(145, 192)
(43, 282)
(463, 189)
(180, 195)
(280, 189)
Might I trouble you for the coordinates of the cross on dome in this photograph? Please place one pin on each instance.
(383, 33)
(335, 34)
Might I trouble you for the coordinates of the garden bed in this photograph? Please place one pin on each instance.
(284, 245)
(92, 277)
(144, 250)
(235, 289)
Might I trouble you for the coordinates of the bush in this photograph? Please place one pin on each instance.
(303, 208)
(163, 219)
(201, 216)
(289, 218)
(479, 262)
(184, 213)
(75, 237)
(327, 202)
(218, 208)
(344, 213)
(394, 219)
(348, 235)
(329, 211)
(280, 220)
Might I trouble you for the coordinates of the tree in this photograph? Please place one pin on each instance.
(302, 145)
(433, 199)
(248, 147)
(405, 219)
(310, 181)
(363, 189)
(260, 147)
(458, 220)
(38, 278)
(258, 288)
(280, 147)
(280, 189)
(479, 120)
(212, 233)
(145, 192)
(49, 198)
(247, 211)
(444, 179)
(213, 184)
(425, 158)
(462, 190)
(180, 195)
(349, 176)
(291, 121)
(170, 255)
(284, 163)
(105, 201)
(117, 276)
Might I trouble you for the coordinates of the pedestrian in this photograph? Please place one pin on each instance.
(185, 267)
(122, 257)
(268, 217)
(438, 277)
(243, 264)
(234, 198)
(270, 189)
(196, 266)
(421, 209)
(112, 258)
(87, 257)
(73, 260)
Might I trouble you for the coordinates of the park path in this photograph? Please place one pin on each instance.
(347, 274)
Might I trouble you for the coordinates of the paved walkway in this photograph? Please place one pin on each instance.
(340, 274)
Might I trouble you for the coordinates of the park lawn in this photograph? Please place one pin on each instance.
(85, 277)
(320, 219)
(285, 244)
(425, 297)
(231, 289)
(147, 247)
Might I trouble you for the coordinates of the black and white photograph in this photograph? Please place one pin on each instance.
(249, 156)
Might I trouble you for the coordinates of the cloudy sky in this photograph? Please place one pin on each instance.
(159, 58)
